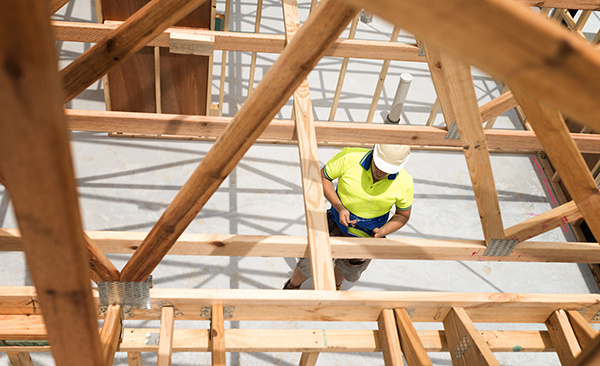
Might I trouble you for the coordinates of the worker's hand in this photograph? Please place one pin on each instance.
(345, 218)
(377, 232)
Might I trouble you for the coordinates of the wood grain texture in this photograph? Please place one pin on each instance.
(389, 340)
(123, 42)
(217, 336)
(563, 338)
(19, 327)
(412, 347)
(247, 42)
(591, 355)
(440, 83)
(283, 131)
(36, 160)
(583, 330)
(308, 359)
(115, 242)
(549, 126)
(564, 4)
(458, 328)
(542, 223)
(20, 358)
(468, 120)
(294, 64)
(102, 269)
(533, 56)
(110, 333)
(497, 106)
(135, 358)
(165, 342)
(183, 83)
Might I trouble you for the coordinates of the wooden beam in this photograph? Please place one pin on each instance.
(110, 333)
(547, 221)
(20, 358)
(564, 4)
(134, 358)
(583, 330)
(123, 42)
(308, 359)
(440, 83)
(247, 42)
(2, 181)
(55, 5)
(294, 64)
(259, 7)
(283, 131)
(102, 269)
(388, 338)
(468, 121)
(115, 242)
(591, 355)
(550, 127)
(275, 305)
(466, 345)
(165, 341)
(217, 336)
(412, 346)
(314, 199)
(553, 65)
(36, 160)
(19, 327)
(497, 106)
(343, 69)
(563, 337)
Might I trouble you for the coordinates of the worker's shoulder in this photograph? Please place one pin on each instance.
(404, 176)
(360, 151)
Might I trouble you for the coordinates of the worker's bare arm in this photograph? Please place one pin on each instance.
(397, 221)
(332, 197)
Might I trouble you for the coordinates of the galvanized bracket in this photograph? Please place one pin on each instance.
(152, 339)
(167, 303)
(596, 317)
(206, 312)
(126, 311)
(228, 312)
(462, 347)
(130, 295)
(500, 247)
(410, 312)
(453, 132)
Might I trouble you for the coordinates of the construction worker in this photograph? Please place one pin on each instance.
(370, 183)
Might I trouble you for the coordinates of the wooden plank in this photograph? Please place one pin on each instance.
(294, 64)
(2, 181)
(123, 42)
(259, 7)
(549, 125)
(343, 69)
(564, 4)
(497, 106)
(37, 162)
(434, 61)
(314, 199)
(563, 337)
(552, 63)
(20, 358)
(110, 333)
(412, 347)
(466, 345)
(468, 121)
(224, 59)
(547, 221)
(248, 42)
(283, 131)
(102, 269)
(591, 355)
(217, 336)
(19, 327)
(308, 359)
(165, 341)
(583, 330)
(134, 359)
(388, 338)
(297, 246)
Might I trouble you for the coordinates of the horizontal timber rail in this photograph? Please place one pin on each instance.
(111, 242)
(283, 131)
(313, 305)
(247, 42)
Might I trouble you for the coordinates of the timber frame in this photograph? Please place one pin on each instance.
(50, 229)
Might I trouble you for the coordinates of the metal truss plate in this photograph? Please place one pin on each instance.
(462, 347)
(133, 294)
(176, 311)
(421, 50)
(152, 339)
(500, 247)
(410, 312)
(596, 317)
(206, 312)
(228, 312)
(453, 132)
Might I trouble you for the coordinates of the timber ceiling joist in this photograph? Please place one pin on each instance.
(36, 167)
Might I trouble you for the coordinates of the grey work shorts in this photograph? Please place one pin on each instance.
(348, 267)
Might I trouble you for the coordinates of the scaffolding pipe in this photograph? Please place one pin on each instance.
(399, 98)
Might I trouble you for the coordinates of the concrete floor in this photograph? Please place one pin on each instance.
(125, 184)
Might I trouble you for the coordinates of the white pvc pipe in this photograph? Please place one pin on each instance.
(399, 98)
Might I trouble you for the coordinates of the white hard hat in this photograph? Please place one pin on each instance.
(391, 158)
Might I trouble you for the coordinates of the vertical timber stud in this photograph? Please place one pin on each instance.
(309, 359)
(298, 58)
(550, 128)
(388, 338)
(20, 358)
(411, 344)
(468, 121)
(110, 333)
(314, 202)
(563, 338)
(465, 343)
(583, 330)
(217, 336)
(165, 340)
(35, 157)
(436, 68)
(127, 39)
(134, 359)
